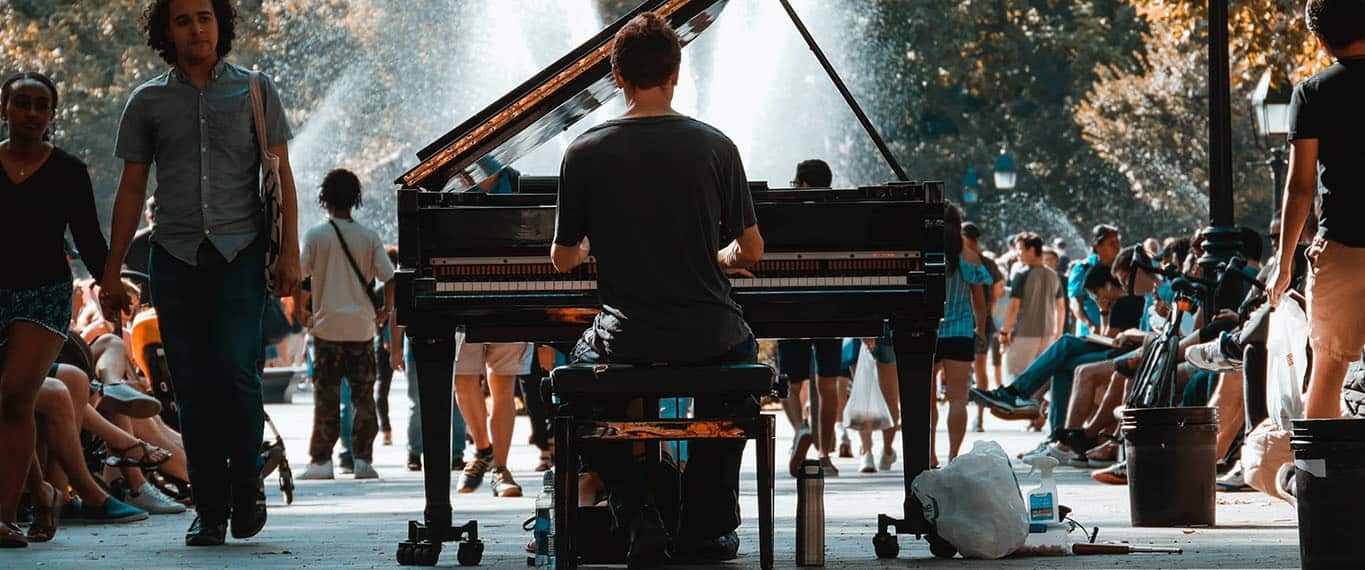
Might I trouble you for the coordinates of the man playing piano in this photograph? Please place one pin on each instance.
(665, 201)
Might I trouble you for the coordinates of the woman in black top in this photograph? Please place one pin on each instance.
(43, 191)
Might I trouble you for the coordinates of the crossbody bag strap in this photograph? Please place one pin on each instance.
(258, 112)
(364, 285)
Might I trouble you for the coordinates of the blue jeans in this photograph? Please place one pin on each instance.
(210, 318)
(457, 425)
(1058, 363)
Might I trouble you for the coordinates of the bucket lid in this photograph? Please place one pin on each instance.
(1171, 416)
(1335, 429)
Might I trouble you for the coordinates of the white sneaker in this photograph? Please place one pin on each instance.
(149, 499)
(888, 459)
(318, 471)
(363, 470)
(1063, 457)
(867, 464)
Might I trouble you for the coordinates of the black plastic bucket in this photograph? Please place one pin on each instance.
(1329, 483)
(1172, 465)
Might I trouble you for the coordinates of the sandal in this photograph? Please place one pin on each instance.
(11, 536)
(150, 457)
(45, 516)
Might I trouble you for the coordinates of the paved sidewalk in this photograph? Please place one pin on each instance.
(348, 523)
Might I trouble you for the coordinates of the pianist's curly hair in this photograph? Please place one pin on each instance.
(340, 190)
(646, 51)
(156, 25)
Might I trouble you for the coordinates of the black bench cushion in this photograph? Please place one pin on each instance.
(663, 381)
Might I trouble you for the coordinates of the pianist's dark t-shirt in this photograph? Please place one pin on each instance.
(657, 197)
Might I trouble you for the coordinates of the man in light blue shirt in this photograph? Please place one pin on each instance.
(1105, 246)
(207, 263)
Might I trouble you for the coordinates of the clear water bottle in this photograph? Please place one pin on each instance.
(810, 514)
(545, 524)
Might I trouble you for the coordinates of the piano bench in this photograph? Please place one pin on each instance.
(625, 380)
(584, 383)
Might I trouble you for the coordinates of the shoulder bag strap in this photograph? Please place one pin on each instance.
(258, 110)
(364, 285)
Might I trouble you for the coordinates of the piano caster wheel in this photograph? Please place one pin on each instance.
(886, 546)
(418, 553)
(470, 553)
(939, 547)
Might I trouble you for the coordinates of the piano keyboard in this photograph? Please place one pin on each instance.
(738, 283)
(776, 271)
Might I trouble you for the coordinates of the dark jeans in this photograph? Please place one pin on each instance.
(710, 484)
(383, 381)
(210, 317)
(1058, 364)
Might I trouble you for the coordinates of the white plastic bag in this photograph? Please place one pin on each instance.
(866, 409)
(975, 504)
(1286, 362)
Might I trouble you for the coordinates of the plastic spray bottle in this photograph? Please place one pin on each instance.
(1042, 501)
(1047, 534)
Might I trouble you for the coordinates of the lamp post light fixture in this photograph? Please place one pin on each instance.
(1005, 173)
(1270, 115)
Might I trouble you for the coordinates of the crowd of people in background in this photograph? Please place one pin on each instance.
(92, 429)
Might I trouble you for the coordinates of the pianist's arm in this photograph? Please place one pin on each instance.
(566, 258)
(744, 252)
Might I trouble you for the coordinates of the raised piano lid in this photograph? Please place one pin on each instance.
(544, 106)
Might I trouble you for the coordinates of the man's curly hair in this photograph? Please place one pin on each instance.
(156, 25)
(646, 51)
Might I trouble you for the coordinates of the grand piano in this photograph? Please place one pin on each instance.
(475, 267)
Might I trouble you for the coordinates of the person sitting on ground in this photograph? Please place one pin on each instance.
(665, 201)
(1059, 362)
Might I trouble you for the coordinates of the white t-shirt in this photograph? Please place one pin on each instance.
(342, 311)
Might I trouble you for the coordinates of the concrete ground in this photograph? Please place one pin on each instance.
(348, 523)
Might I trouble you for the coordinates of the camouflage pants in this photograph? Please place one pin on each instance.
(333, 361)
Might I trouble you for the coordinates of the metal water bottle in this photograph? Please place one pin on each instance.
(810, 514)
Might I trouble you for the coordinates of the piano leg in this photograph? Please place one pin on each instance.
(434, 356)
(914, 366)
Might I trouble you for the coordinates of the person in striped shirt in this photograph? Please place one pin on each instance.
(964, 320)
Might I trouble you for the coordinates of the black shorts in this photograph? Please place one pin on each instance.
(794, 358)
(958, 349)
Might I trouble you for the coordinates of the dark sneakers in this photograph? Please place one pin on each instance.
(248, 510)
(1002, 398)
(719, 549)
(414, 462)
(203, 533)
(648, 540)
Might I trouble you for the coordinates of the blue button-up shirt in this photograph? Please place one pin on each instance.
(208, 163)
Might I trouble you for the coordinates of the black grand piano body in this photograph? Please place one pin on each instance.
(855, 262)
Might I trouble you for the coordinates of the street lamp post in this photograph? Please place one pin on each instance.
(1222, 239)
(1270, 113)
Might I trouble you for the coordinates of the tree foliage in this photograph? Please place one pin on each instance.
(1102, 103)
(1150, 122)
